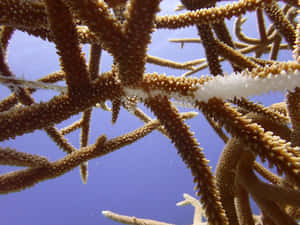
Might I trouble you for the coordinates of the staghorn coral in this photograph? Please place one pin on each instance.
(124, 29)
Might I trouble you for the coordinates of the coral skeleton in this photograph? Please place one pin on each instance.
(252, 132)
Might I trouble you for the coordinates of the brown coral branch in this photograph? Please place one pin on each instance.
(276, 150)
(192, 155)
(206, 16)
(13, 157)
(28, 13)
(67, 44)
(251, 183)
(293, 105)
(97, 17)
(58, 108)
(124, 29)
(281, 23)
(22, 179)
(138, 26)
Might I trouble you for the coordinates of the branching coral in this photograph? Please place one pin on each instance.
(124, 30)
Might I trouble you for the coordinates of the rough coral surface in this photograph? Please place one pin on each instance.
(253, 133)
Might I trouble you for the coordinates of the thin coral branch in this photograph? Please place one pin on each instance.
(74, 126)
(93, 67)
(261, 25)
(273, 178)
(198, 213)
(168, 63)
(12, 157)
(131, 220)
(206, 16)
(240, 35)
(11, 182)
(217, 128)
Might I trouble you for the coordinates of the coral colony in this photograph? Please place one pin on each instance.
(124, 29)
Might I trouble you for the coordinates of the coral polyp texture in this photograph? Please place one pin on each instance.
(252, 132)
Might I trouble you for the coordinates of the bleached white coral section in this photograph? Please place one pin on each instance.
(13, 82)
(223, 87)
(199, 211)
(243, 85)
(228, 86)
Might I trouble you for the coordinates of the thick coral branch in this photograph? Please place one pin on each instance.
(28, 13)
(37, 116)
(137, 29)
(192, 155)
(276, 150)
(96, 15)
(67, 44)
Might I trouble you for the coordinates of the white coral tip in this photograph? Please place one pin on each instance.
(106, 213)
